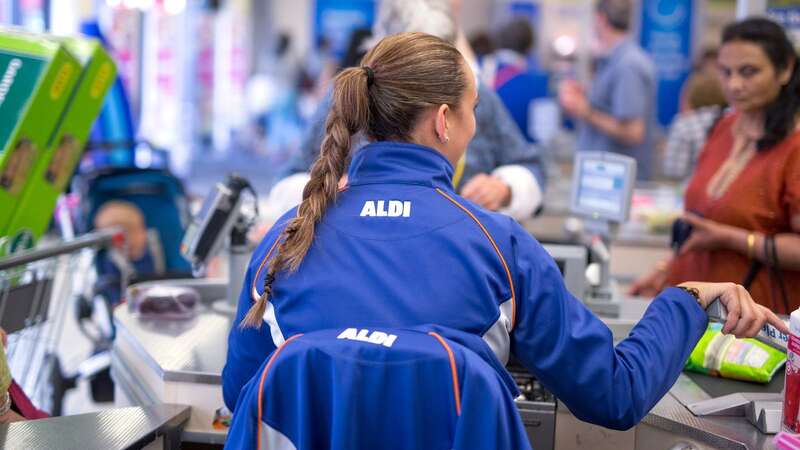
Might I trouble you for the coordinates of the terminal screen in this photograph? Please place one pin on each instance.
(601, 188)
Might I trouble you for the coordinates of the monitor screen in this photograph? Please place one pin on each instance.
(603, 185)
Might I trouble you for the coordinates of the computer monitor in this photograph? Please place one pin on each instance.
(602, 186)
(571, 261)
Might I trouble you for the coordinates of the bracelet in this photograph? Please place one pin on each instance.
(5, 406)
(751, 244)
(693, 292)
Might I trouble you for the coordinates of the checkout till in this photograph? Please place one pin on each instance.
(180, 361)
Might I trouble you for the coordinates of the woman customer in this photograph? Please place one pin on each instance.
(743, 201)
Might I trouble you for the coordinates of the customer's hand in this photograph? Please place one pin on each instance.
(745, 316)
(706, 234)
(650, 284)
(572, 99)
(488, 191)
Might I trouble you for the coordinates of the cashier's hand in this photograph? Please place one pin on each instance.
(706, 234)
(745, 316)
(488, 191)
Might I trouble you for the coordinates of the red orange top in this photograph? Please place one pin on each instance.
(763, 197)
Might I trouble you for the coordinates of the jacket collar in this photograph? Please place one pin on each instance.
(400, 163)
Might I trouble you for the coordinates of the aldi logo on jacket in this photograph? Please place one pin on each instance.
(384, 208)
(364, 335)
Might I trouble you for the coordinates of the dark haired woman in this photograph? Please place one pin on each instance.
(399, 248)
(746, 186)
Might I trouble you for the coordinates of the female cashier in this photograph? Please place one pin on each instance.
(397, 247)
(745, 190)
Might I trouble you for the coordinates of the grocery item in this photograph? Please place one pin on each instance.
(726, 356)
(37, 77)
(791, 386)
(165, 302)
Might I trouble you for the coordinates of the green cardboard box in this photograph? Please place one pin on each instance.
(37, 77)
(64, 148)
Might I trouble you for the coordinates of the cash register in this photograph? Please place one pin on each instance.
(602, 188)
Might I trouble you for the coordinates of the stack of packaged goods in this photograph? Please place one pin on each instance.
(51, 91)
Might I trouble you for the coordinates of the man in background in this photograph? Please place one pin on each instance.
(619, 112)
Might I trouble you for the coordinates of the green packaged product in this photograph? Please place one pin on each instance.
(37, 78)
(63, 150)
(721, 355)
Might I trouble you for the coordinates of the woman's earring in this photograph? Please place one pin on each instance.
(446, 139)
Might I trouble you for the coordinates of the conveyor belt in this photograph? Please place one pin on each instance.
(717, 387)
(121, 428)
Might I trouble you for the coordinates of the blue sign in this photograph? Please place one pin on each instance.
(788, 15)
(337, 19)
(666, 34)
(528, 9)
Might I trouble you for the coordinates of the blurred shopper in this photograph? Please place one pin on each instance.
(500, 170)
(619, 112)
(744, 196)
(481, 44)
(356, 48)
(705, 103)
(316, 72)
(514, 73)
(707, 62)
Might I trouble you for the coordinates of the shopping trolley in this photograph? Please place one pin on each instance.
(37, 290)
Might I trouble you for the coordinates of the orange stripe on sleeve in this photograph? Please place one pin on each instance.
(456, 390)
(496, 249)
(261, 388)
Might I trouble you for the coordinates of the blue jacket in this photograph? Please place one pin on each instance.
(399, 248)
(382, 388)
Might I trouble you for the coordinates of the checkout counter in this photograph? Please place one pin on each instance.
(163, 362)
(180, 362)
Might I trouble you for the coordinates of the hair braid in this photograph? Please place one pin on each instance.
(349, 114)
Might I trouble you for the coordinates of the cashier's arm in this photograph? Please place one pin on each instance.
(629, 132)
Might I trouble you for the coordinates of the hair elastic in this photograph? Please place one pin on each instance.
(370, 75)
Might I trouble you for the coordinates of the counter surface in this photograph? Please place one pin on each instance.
(115, 428)
(716, 431)
(194, 352)
(191, 350)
